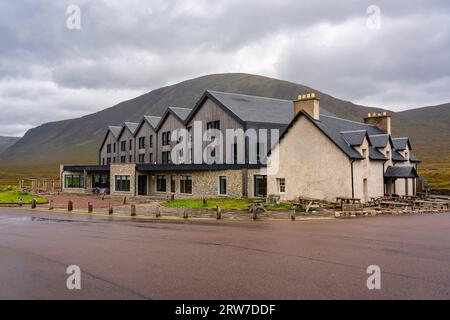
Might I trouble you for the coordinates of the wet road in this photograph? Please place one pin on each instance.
(122, 259)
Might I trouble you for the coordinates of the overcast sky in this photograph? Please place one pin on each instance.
(124, 48)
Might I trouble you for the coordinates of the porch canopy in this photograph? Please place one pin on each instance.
(145, 167)
(394, 172)
(88, 168)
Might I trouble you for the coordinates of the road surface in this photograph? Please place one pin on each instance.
(123, 259)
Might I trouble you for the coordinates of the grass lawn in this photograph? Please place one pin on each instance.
(224, 203)
(12, 196)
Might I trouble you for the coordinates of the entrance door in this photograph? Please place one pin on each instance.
(142, 185)
(260, 186)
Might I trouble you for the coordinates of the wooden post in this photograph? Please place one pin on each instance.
(185, 213)
(218, 213)
(124, 200)
(90, 207)
(158, 211)
(70, 206)
(33, 203)
(133, 210)
(110, 209)
(293, 215)
(50, 205)
(204, 200)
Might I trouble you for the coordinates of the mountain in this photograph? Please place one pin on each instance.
(43, 148)
(6, 142)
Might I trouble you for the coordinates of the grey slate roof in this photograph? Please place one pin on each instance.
(397, 156)
(379, 140)
(256, 109)
(115, 131)
(152, 121)
(400, 172)
(132, 126)
(354, 138)
(400, 143)
(374, 154)
(181, 113)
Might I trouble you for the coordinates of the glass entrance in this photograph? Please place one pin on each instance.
(142, 185)
(260, 186)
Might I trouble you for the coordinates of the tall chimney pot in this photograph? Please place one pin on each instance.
(309, 103)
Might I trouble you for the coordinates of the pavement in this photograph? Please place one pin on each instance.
(126, 258)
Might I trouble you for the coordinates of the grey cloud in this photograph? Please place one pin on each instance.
(128, 48)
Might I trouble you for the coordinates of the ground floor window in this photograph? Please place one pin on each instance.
(161, 184)
(186, 184)
(281, 185)
(100, 181)
(123, 183)
(260, 186)
(173, 180)
(222, 186)
(74, 181)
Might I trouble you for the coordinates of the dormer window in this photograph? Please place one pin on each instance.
(364, 152)
(388, 154)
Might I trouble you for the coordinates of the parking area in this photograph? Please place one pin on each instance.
(123, 258)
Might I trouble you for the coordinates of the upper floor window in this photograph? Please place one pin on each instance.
(114, 147)
(166, 158)
(142, 143)
(388, 154)
(210, 126)
(150, 157)
(189, 130)
(108, 161)
(108, 148)
(123, 146)
(131, 144)
(142, 158)
(123, 159)
(151, 141)
(166, 138)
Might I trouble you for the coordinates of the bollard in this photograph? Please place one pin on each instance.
(293, 215)
(110, 209)
(204, 200)
(103, 196)
(218, 213)
(50, 205)
(90, 207)
(185, 213)
(158, 211)
(124, 200)
(33, 203)
(133, 210)
(70, 206)
(253, 211)
(20, 202)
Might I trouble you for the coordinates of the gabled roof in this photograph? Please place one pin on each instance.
(401, 143)
(397, 156)
(355, 137)
(401, 172)
(379, 140)
(151, 120)
(327, 128)
(374, 154)
(130, 126)
(245, 108)
(179, 113)
(115, 131)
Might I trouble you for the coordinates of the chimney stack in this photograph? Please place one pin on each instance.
(380, 120)
(309, 103)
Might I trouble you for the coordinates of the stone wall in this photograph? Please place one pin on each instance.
(128, 169)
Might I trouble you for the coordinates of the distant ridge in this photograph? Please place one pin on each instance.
(43, 148)
(6, 142)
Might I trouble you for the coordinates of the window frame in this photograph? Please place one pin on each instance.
(157, 184)
(118, 183)
(81, 183)
(183, 186)
(221, 178)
